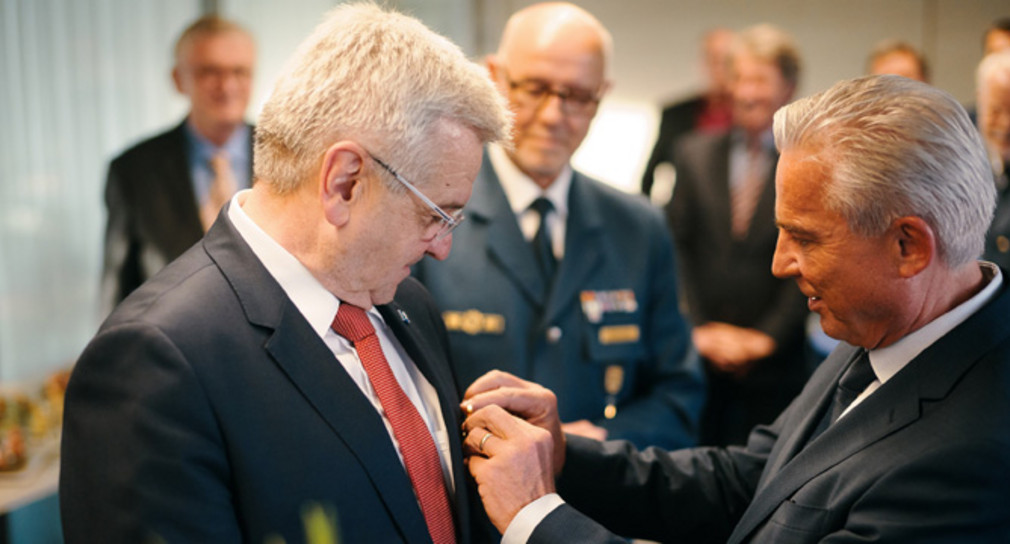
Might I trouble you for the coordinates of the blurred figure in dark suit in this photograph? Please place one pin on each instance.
(709, 111)
(748, 325)
(163, 193)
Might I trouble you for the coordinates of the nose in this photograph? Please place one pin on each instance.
(439, 248)
(550, 110)
(784, 263)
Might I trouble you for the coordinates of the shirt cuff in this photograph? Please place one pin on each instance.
(522, 526)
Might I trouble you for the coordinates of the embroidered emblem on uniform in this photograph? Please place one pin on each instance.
(597, 303)
(474, 322)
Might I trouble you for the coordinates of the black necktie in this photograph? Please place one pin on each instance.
(854, 381)
(542, 246)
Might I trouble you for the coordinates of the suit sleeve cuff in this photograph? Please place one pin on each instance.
(522, 526)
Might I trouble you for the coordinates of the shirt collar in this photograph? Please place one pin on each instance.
(887, 361)
(521, 191)
(315, 302)
(237, 145)
(738, 139)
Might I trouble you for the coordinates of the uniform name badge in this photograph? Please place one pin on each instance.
(597, 303)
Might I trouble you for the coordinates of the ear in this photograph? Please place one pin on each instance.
(340, 180)
(915, 245)
(492, 65)
(177, 79)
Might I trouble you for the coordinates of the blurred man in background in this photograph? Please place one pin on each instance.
(163, 193)
(993, 96)
(748, 325)
(898, 58)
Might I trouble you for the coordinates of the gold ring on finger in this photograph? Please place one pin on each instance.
(480, 446)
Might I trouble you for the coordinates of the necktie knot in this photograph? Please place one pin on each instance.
(855, 380)
(542, 206)
(352, 323)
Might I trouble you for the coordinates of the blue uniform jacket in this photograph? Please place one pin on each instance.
(609, 332)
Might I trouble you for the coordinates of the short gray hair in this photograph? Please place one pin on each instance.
(896, 147)
(380, 78)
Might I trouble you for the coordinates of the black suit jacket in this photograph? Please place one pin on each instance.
(923, 459)
(676, 120)
(153, 215)
(207, 410)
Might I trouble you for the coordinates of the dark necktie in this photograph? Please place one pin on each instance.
(854, 381)
(542, 246)
(416, 444)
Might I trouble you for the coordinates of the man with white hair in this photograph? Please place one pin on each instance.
(883, 196)
(994, 123)
(287, 362)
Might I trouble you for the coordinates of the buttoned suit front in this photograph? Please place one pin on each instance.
(153, 214)
(207, 409)
(923, 459)
(726, 279)
(611, 311)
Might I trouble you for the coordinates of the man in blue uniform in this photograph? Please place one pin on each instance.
(583, 302)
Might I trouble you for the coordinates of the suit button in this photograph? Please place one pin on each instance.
(554, 334)
(1002, 244)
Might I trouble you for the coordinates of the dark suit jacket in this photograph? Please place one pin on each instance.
(153, 216)
(207, 410)
(676, 120)
(923, 459)
(616, 245)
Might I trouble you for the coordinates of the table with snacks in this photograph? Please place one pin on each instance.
(31, 416)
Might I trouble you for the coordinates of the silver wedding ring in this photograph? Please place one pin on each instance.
(480, 446)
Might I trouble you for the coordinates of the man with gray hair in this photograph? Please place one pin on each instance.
(883, 196)
(994, 122)
(287, 362)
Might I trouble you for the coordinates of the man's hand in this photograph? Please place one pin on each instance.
(530, 401)
(731, 349)
(511, 460)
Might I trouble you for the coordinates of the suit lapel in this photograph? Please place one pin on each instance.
(178, 184)
(717, 189)
(506, 246)
(896, 404)
(313, 370)
(582, 248)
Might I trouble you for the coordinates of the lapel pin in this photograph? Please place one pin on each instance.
(403, 316)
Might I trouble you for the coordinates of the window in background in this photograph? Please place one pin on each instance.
(81, 81)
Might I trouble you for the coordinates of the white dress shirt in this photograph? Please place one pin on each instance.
(521, 191)
(319, 307)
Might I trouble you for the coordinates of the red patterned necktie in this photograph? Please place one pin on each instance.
(416, 445)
